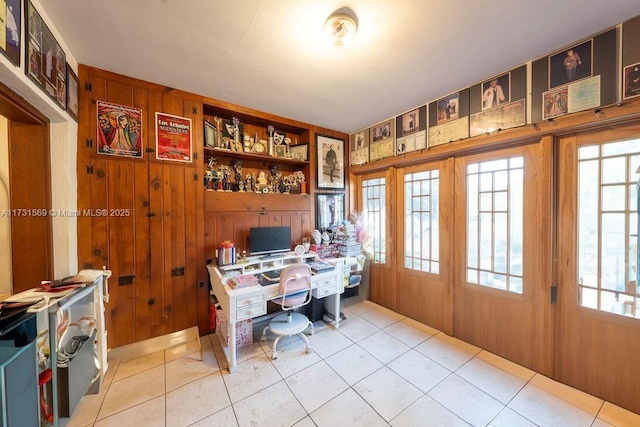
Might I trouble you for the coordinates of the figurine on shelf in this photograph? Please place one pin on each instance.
(236, 130)
(249, 182)
(237, 170)
(261, 183)
(218, 140)
(225, 174)
(271, 129)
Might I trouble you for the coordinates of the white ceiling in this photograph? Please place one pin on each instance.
(269, 54)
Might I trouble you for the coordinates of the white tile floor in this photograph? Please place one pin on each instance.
(378, 368)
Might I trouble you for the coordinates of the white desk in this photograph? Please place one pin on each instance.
(250, 302)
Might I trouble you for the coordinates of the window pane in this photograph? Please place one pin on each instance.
(494, 224)
(373, 196)
(421, 221)
(608, 227)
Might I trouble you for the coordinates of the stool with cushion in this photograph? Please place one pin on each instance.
(295, 292)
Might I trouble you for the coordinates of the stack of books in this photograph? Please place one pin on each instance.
(242, 281)
(349, 248)
(320, 267)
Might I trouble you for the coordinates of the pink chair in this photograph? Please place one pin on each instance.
(295, 292)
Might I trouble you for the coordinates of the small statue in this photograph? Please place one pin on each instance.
(237, 170)
(261, 182)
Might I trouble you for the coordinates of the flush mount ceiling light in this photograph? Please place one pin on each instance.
(341, 27)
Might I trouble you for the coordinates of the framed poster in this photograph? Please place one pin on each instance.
(11, 27)
(173, 138)
(46, 62)
(631, 80)
(330, 162)
(571, 64)
(382, 141)
(119, 130)
(496, 91)
(359, 147)
(72, 93)
(448, 108)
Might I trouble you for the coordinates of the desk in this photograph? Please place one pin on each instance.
(250, 302)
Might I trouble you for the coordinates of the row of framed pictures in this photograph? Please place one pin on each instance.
(45, 62)
(577, 78)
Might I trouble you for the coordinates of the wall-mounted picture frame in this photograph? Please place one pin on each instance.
(496, 91)
(299, 152)
(119, 130)
(46, 62)
(448, 108)
(173, 138)
(72, 93)
(571, 64)
(329, 210)
(13, 31)
(330, 160)
(631, 79)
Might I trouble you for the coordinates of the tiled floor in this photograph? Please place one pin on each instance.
(379, 368)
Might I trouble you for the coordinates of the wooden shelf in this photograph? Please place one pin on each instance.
(266, 159)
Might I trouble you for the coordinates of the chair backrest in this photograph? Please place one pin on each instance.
(295, 286)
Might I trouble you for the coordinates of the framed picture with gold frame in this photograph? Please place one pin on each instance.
(280, 151)
(299, 151)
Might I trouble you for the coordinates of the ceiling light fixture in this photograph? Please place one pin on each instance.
(341, 27)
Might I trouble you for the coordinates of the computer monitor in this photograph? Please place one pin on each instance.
(269, 240)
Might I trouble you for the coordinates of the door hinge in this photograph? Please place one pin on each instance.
(554, 294)
(178, 271)
(88, 86)
(150, 215)
(194, 110)
(151, 150)
(195, 177)
(89, 142)
(195, 156)
(89, 169)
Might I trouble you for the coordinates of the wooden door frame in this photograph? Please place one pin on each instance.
(27, 127)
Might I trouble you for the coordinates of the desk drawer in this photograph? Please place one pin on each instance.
(250, 300)
(251, 311)
(324, 291)
(329, 281)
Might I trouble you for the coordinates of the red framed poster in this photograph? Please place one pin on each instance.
(173, 138)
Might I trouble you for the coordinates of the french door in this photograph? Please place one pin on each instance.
(503, 253)
(598, 325)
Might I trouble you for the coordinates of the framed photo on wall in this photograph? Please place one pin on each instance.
(330, 162)
(72, 93)
(46, 62)
(329, 210)
(571, 64)
(13, 31)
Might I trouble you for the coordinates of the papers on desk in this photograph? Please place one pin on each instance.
(242, 281)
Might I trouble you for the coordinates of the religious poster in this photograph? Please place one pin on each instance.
(173, 138)
(119, 130)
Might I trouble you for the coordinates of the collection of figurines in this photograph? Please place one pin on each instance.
(229, 135)
(218, 178)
